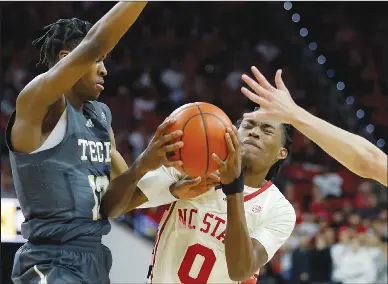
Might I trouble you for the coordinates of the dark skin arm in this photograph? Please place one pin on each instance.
(244, 255)
(36, 98)
(184, 189)
(120, 191)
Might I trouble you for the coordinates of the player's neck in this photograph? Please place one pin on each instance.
(254, 179)
(74, 100)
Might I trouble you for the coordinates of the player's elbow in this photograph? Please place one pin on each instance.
(374, 166)
(110, 208)
(238, 274)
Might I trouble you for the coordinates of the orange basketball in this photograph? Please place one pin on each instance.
(204, 127)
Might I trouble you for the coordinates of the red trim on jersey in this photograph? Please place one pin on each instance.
(256, 193)
(158, 236)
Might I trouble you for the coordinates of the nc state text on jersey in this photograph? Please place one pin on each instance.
(211, 224)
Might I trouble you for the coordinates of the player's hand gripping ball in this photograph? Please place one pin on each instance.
(204, 126)
(189, 188)
(155, 155)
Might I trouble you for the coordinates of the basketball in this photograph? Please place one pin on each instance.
(204, 127)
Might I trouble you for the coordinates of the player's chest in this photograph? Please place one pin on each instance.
(209, 220)
(90, 139)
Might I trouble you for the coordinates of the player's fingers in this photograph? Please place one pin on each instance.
(236, 143)
(218, 161)
(258, 114)
(279, 81)
(256, 87)
(171, 136)
(172, 147)
(199, 190)
(192, 182)
(213, 178)
(229, 143)
(253, 97)
(161, 128)
(261, 79)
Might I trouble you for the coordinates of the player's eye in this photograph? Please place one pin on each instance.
(246, 124)
(268, 132)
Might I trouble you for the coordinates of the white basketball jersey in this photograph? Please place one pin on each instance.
(189, 246)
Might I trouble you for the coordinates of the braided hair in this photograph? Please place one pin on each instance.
(63, 34)
(286, 143)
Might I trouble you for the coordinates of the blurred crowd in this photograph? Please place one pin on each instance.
(180, 52)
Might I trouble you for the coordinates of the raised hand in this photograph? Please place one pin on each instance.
(155, 155)
(190, 188)
(230, 169)
(275, 103)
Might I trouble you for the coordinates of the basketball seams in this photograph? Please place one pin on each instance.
(181, 138)
(206, 137)
(205, 114)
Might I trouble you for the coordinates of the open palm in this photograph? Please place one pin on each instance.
(275, 103)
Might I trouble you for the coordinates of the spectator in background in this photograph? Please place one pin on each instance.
(301, 261)
(309, 226)
(355, 223)
(292, 243)
(355, 264)
(321, 264)
(173, 76)
(267, 276)
(336, 252)
(375, 248)
(328, 182)
(338, 220)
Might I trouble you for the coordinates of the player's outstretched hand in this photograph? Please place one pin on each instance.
(275, 103)
(230, 169)
(190, 188)
(155, 155)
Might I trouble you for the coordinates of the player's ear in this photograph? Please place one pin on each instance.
(283, 153)
(62, 54)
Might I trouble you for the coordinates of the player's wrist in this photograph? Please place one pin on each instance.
(140, 166)
(298, 116)
(236, 186)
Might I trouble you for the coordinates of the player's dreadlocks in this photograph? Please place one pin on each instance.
(63, 34)
(287, 143)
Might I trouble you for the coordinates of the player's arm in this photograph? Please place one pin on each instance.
(44, 90)
(119, 166)
(166, 185)
(351, 150)
(254, 250)
(245, 254)
(354, 152)
(120, 191)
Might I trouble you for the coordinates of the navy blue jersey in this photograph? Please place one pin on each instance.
(60, 189)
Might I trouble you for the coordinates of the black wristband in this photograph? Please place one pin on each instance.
(237, 186)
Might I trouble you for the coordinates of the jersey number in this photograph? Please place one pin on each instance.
(188, 261)
(99, 186)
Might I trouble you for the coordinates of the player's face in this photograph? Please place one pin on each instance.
(261, 143)
(90, 86)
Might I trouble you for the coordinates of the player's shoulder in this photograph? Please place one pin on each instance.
(101, 111)
(275, 201)
(25, 93)
(105, 108)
